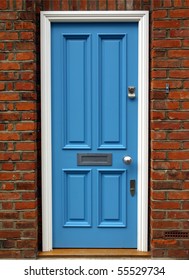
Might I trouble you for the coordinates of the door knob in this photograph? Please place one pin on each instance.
(127, 160)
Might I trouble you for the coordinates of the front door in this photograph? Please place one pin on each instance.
(94, 134)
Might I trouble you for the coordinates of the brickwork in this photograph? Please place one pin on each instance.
(20, 222)
(169, 127)
(18, 130)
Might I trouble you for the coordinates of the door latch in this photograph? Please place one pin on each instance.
(132, 187)
(131, 92)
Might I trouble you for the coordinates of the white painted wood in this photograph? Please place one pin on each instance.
(142, 17)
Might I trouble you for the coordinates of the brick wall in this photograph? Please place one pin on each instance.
(169, 128)
(18, 129)
(20, 122)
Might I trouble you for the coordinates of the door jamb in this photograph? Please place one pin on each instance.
(142, 17)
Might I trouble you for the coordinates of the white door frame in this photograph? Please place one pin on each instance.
(142, 17)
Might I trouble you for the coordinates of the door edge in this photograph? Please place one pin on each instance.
(142, 17)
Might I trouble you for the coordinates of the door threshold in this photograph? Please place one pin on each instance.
(88, 253)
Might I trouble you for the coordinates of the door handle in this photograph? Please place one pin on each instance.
(127, 160)
(132, 187)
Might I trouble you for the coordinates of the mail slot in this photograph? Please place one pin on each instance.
(94, 159)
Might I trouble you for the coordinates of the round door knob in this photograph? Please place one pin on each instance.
(127, 160)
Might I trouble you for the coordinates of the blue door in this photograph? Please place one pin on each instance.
(94, 134)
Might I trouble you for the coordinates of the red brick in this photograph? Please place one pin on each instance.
(102, 4)
(179, 74)
(159, 243)
(24, 86)
(178, 195)
(25, 56)
(158, 215)
(166, 165)
(24, 146)
(159, 14)
(9, 96)
(178, 53)
(158, 175)
(9, 156)
(29, 116)
(27, 35)
(25, 205)
(25, 106)
(179, 13)
(182, 33)
(3, 4)
(179, 95)
(166, 24)
(120, 5)
(24, 45)
(167, 185)
(158, 115)
(26, 126)
(178, 115)
(8, 166)
(156, 84)
(25, 166)
(29, 176)
(8, 35)
(165, 224)
(30, 215)
(10, 234)
(159, 74)
(178, 253)
(158, 195)
(185, 205)
(8, 15)
(26, 244)
(177, 215)
(25, 225)
(165, 145)
(180, 135)
(167, 43)
(29, 196)
(112, 5)
(10, 176)
(158, 155)
(24, 25)
(9, 66)
(165, 125)
(9, 215)
(158, 135)
(9, 136)
(6, 206)
(25, 186)
(179, 155)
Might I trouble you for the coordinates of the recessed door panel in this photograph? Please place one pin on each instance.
(112, 210)
(112, 89)
(76, 198)
(76, 79)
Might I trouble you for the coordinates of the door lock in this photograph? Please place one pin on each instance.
(131, 92)
(132, 187)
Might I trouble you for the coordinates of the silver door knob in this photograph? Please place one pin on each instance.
(127, 160)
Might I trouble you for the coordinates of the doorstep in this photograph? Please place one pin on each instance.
(88, 253)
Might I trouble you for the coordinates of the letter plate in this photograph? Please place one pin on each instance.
(94, 159)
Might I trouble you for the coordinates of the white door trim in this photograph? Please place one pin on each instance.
(142, 17)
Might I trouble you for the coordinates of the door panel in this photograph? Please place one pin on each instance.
(94, 125)
(112, 97)
(76, 73)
